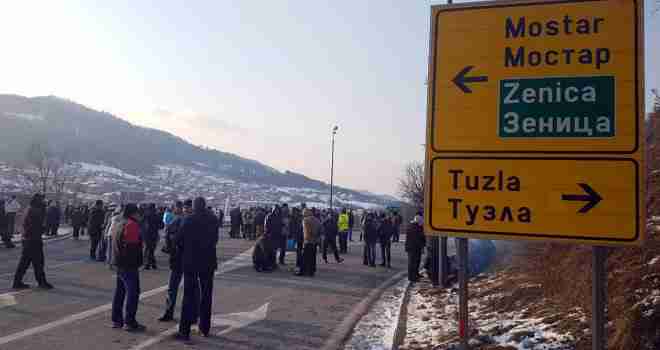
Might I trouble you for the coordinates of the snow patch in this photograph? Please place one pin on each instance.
(26, 116)
(96, 168)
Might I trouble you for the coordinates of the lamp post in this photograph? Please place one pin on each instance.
(332, 166)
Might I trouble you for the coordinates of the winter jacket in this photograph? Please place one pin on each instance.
(53, 216)
(259, 218)
(151, 224)
(236, 217)
(96, 221)
(199, 237)
(12, 206)
(176, 248)
(311, 227)
(330, 228)
(127, 245)
(370, 229)
(77, 218)
(343, 223)
(385, 231)
(33, 225)
(274, 225)
(415, 239)
(168, 217)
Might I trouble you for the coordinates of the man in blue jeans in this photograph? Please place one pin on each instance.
(127, 246)
(181, 211)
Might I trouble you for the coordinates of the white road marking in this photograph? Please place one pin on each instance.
(233, 321)
(100, 309)
(7, 299)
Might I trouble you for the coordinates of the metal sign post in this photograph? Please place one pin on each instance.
(444, 263)
(435, 259)
(599, 299)
(463, 319)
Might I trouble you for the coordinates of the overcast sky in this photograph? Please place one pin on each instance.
(263, 79)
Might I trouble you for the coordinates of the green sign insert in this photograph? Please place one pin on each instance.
(557, 107)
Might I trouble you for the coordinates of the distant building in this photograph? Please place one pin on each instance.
(132, 197)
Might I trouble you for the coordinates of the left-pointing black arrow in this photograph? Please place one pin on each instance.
(592, 197)
(461, 79)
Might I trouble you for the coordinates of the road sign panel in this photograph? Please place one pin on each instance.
(536, 77)
(591, 200)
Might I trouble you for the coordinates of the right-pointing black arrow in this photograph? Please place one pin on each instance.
(592, 197)
(461, 79)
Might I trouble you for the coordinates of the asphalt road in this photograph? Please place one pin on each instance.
(251, 310)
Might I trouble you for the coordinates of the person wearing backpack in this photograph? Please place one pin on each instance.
(127, 255)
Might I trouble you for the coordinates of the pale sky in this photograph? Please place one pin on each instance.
(262, 79)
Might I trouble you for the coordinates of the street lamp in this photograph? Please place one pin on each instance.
(332, 166)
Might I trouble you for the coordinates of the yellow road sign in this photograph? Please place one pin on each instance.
(584, 199)
(563, 73)
(535, 121)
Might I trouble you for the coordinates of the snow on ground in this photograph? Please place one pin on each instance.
(26, 116)
(97, 168)
(432, 320)
(375, 331)
(654, 260)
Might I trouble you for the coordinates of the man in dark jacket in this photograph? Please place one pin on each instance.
(181, 211)
(52, 219)
(95, 228)
(415, 243)
(296, 230)
(331, 230)
(236, 220)
(4, 230)
(199, 234)
(127, 255)
(151, 224)
(385, 232)
(273, 228)
(76, 221)
(33, 249)
(370, 229)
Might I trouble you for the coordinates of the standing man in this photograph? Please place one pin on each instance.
(151, 224)
(4, 232)
(311, 233)
(53, 219)
(259, 221)
(199, 236)
(385, 232)
(415, 243)
(344, 225)
(175, 250)
(12, 207)
(236, 222)
(330, 240)
(396, 223)
(127, 253)
(76, 221)
(33, 248)
(274, 230)
(351, 223)
(95, 228)
(370, 230)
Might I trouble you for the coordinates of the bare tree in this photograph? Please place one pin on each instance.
(411, 185)
(39, 167)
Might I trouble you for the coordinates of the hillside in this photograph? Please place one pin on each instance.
(84, 135)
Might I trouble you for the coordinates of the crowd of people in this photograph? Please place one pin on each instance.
(127, 237)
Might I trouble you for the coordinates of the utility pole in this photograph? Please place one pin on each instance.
(332, 166)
